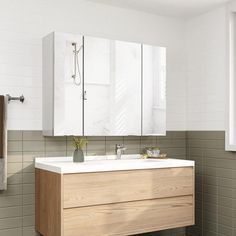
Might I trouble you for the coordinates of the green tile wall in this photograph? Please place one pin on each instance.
(215, 184)
(17, 203)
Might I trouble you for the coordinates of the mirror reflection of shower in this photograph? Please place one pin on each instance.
(76, 76)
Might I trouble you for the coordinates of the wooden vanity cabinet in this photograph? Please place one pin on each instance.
(114, 203)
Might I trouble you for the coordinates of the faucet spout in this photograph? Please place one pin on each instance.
(119, 150)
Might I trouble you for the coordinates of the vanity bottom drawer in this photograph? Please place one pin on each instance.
(130, 217)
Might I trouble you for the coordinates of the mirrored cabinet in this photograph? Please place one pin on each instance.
(102, 87)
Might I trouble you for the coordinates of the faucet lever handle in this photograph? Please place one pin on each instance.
(120, 146)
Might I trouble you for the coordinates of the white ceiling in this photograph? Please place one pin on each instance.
(175, 8)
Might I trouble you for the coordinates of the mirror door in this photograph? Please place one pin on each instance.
(154, 91)
(68, 84)
(112, 87)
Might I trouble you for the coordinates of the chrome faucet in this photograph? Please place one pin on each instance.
(119, 150)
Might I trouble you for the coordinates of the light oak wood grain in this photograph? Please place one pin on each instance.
(129, 218)
(48, 207)
(120, 186)
(114, 203)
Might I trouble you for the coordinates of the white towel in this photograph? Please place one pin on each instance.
(3, 158)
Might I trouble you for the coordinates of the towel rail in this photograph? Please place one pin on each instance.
(20, 98)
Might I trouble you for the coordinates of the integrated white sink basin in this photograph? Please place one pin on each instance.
(65, 165)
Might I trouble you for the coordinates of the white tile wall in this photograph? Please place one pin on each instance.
(23, 24)
(206, 71)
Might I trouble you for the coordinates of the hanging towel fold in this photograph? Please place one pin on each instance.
(3, 142)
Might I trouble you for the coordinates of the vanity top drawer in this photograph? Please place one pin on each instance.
(87, 189)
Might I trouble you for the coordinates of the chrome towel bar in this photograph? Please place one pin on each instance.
(20, 98)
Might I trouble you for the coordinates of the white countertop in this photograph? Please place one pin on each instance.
(65, 165)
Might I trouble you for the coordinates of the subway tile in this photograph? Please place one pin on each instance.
(33, 146)
(15, 146)
(69, 153)
(210, 189)
(14, 178)
(96, 153)
(233, 213)
(14, 157)
(172, 143)
(234, 174)
(30, 156)
(55, 138)
(148, 142)
(15, 189)
(96, 146)
(194, 231)
(28, 178)
(29, 135)
(225, 211)
(132, 151)
(13, 222)
(28, 199)
(225, 192)
(136, 138)
(10, 201)
(225, 201)
(28, 189)
(195, 135)
(210, 180)
(115, 138)
(96, 138)
(224, 163)
(210, 162)
(224, 182)
(14, 135)
(224, 173)
(28, 167)
(210, 172)
(55, 146)
(226, 221)
(56, 154)
(7, 212)
(214, 135)
(70, 147)
(12, 232)
(197, 152)
(217, 153)
(214, 144)
(14, 168)
(224, 230)
(132, 144)
(210, 226)
(179, 153)
(28, 210)
(196, 143)
(29, 231)
(176, 134)
(28, 220)
(210, 198)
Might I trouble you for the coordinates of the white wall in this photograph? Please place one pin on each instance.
(23, 24)
(206, 71)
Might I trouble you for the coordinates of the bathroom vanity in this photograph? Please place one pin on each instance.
(103, 196)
